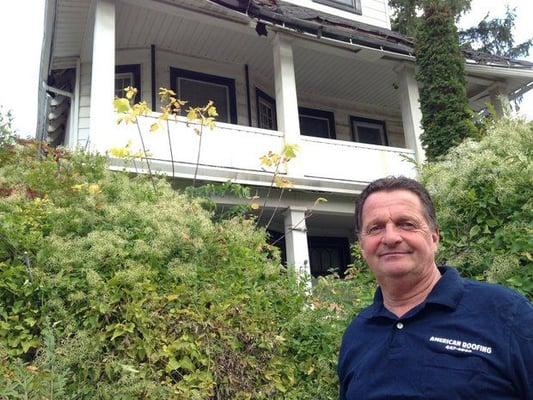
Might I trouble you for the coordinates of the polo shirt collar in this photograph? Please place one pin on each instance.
(447, 292)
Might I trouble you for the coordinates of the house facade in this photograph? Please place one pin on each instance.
(326, 75)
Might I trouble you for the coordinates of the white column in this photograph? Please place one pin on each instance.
(102, 118)
(411, 114)
(499, 99)
(286, 98)
(296, 241)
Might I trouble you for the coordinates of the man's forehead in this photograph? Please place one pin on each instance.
(393, 201)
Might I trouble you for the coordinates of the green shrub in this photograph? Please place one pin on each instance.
(111, 291)
(483, 194)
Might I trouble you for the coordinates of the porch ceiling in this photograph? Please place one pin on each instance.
(346, 76)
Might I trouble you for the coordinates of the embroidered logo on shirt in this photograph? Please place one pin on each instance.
(458, 345)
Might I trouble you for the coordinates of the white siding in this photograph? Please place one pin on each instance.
(85, 104)
(374, 12)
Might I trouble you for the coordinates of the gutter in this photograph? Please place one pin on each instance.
(500, 71)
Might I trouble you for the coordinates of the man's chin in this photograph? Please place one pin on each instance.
(396, 269)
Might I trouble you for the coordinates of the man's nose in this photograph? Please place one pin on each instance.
(391, 235)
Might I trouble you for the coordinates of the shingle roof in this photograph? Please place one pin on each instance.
(325, 25)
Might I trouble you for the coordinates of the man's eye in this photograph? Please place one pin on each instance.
(373, 230)
(407, 225)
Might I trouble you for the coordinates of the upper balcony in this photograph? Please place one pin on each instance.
(232, 152)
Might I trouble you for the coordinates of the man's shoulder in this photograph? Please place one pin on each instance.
(490, 293)
(499, 302)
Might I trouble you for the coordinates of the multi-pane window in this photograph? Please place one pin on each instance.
(346, 5)
(198, 89)
(122, 81)
(127, 75)
(369, 131)
(266, 110)
(317, 123)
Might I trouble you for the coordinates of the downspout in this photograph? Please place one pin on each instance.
(152, 72)
(248, 104)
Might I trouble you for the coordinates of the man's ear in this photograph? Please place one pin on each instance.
(435, 237)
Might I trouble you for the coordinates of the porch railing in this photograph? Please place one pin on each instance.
(233, 151)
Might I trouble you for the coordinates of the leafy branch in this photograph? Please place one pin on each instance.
(171, 107)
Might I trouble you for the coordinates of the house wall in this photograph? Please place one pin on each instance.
(374, 12)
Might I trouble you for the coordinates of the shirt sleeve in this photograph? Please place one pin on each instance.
(521, 348)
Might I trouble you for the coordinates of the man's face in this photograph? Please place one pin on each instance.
(396, 238)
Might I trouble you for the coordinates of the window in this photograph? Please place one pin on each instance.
(346, 5)
(197, 89)
(128, 75)
(266, 110)
(327, 254)
(369, 131)
(317, 123)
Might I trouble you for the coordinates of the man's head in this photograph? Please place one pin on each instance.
(397, 229)
(390, 184)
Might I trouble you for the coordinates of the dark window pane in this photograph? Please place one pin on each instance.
(369, 135)
(327, 254)
(266, 115)
(122, 81)
(312, 126)
(344, 2)
(198, 94)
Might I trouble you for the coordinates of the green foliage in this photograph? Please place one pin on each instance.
(483, 196)
(495, 36)
(7, 135)
(446, 117)
(406, 13)
(111, 290)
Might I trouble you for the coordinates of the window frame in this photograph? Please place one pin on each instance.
(319, 114)
(135, 71)
(176, 73)
(260, 95)
(355, 8)
(384, 137)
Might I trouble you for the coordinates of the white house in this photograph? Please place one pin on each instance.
(327, 75)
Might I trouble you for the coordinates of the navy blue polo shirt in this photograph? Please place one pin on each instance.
(467, 340)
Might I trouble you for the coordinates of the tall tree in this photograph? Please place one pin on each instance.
(408, 13)
(495, 36)
(446, 117)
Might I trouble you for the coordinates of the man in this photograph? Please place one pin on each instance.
(429, 334)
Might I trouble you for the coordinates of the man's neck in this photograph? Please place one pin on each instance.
(402, 294)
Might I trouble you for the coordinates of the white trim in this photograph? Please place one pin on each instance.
(498, 71)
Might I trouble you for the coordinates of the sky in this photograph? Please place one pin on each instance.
(21, 33)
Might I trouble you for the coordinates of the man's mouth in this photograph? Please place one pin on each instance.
(394, 253)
